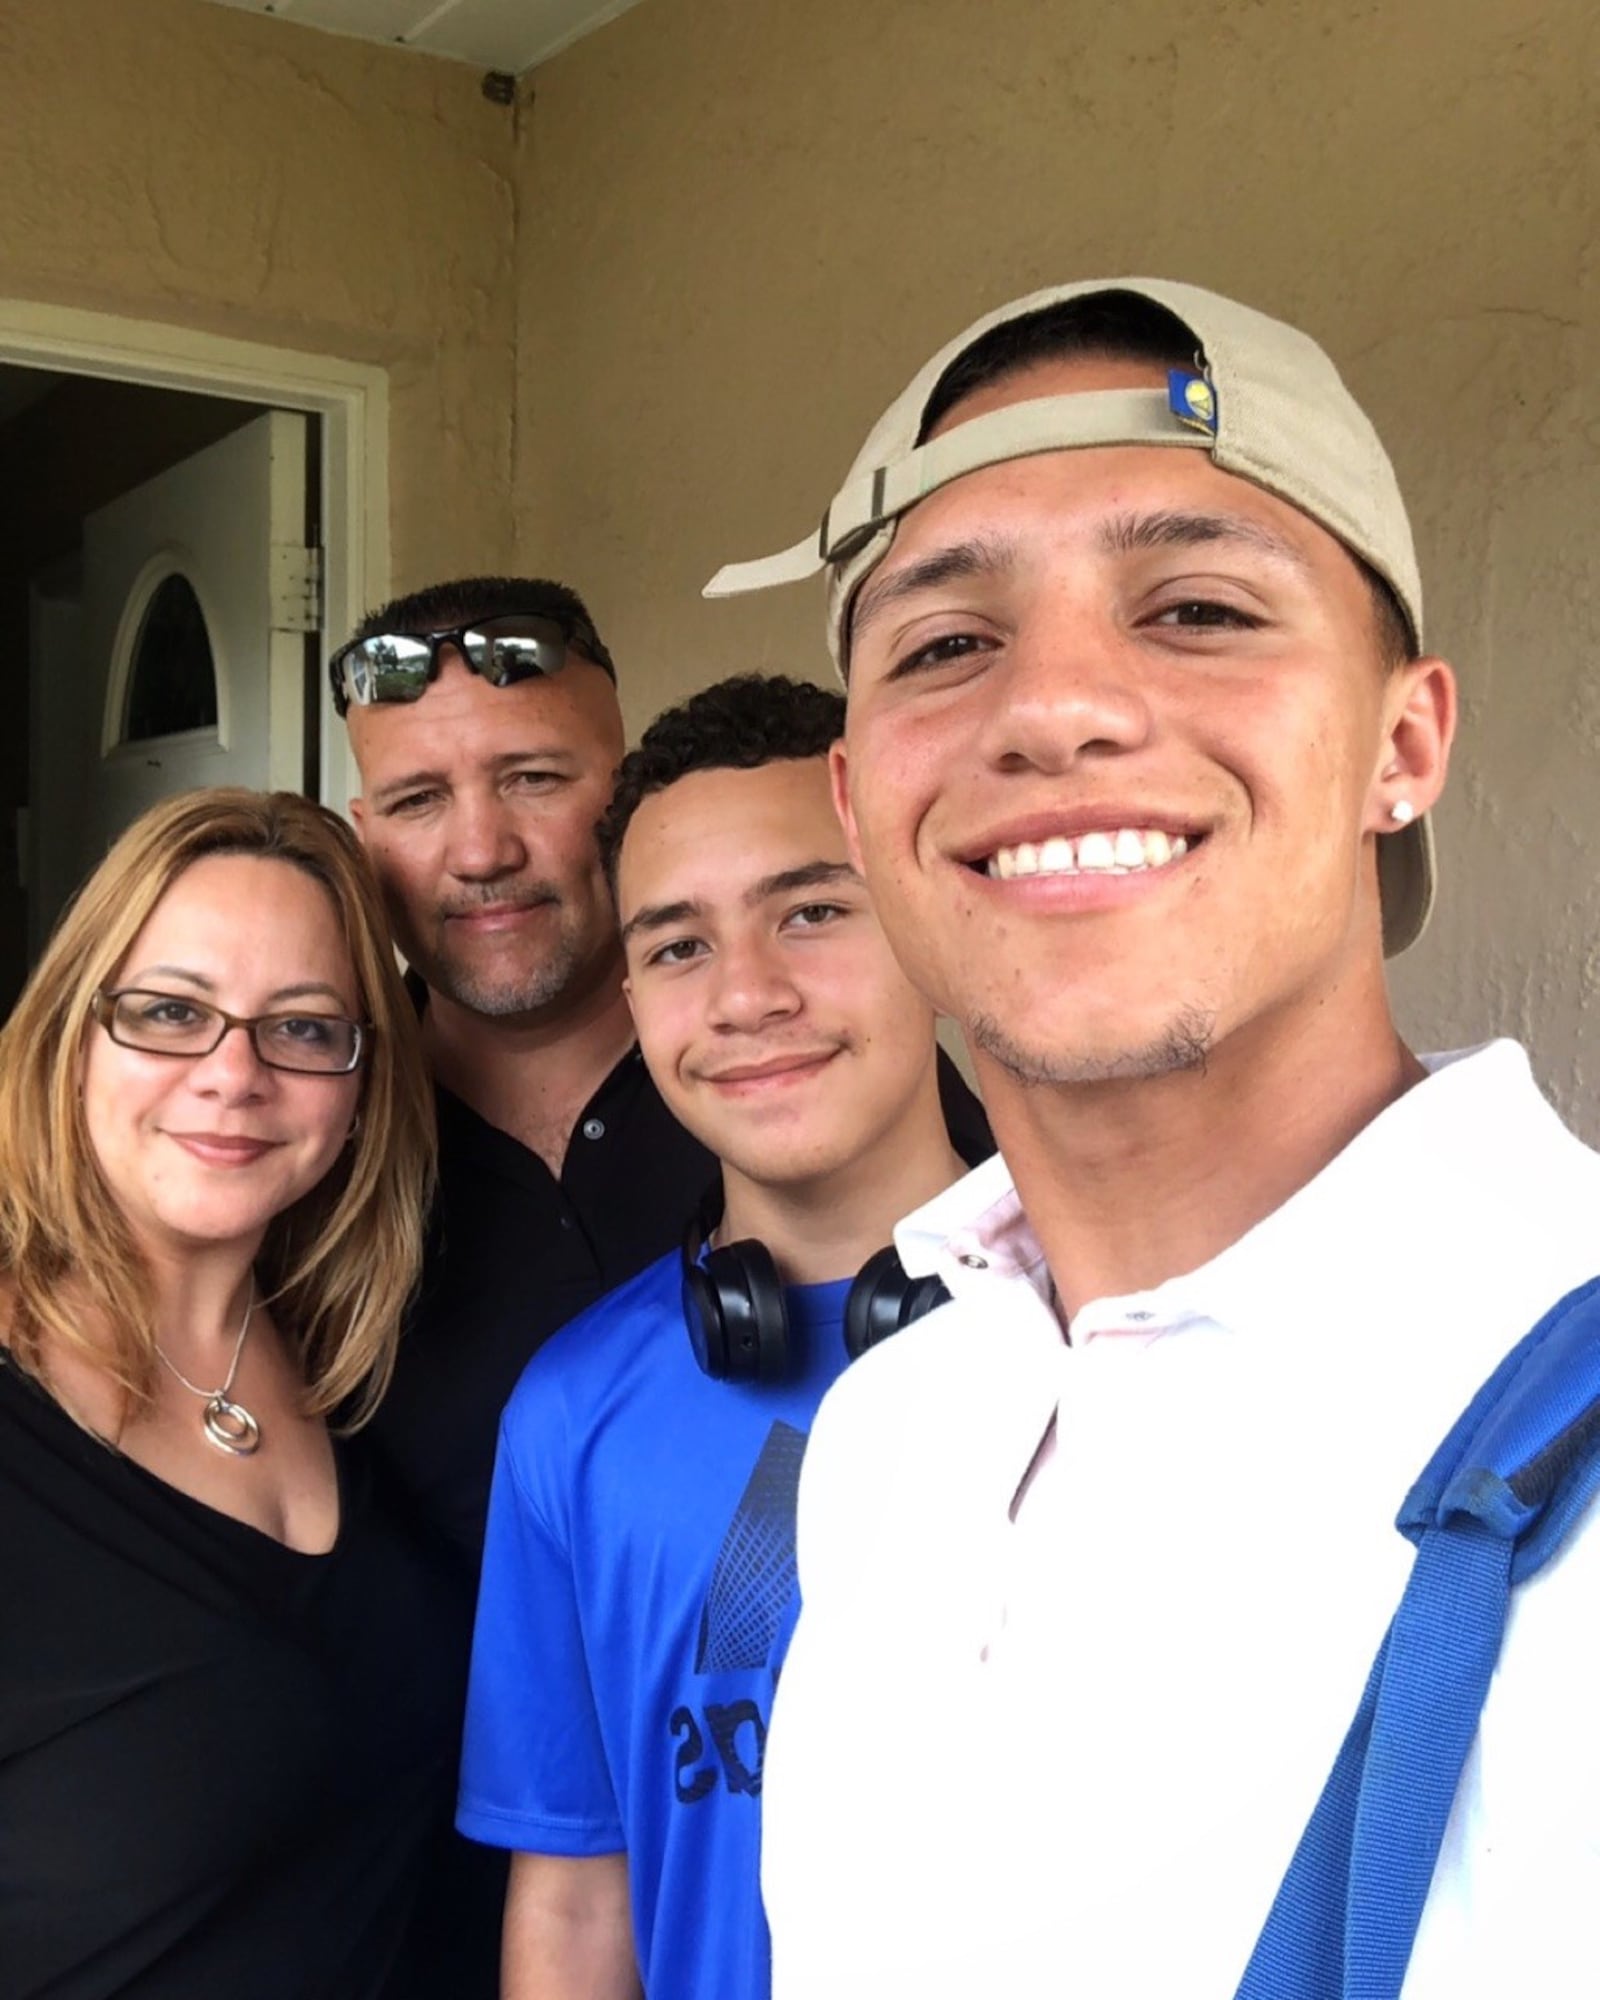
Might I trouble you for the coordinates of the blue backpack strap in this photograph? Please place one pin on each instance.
(1493, 1505)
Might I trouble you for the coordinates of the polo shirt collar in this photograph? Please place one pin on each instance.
(1360, 1244)
(1427, 1166)
(978, 1222)
(464, 1132)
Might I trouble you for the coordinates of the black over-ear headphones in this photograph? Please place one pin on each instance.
(734, 1308)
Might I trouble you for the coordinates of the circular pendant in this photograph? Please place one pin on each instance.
(231, 1428)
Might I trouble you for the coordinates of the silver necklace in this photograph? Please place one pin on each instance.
(227, 1424)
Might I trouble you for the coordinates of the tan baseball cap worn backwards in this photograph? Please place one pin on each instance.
(1263, 399)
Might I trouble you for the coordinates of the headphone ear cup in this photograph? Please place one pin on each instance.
(738, 1323)
(702, 1315)
(883, 1301)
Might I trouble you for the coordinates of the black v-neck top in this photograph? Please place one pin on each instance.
(220, 1759)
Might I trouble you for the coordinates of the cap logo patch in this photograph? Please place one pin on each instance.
(1192, 400)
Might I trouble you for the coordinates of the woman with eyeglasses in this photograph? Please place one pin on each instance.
(225, 1734)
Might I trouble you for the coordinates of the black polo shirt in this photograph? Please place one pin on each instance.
(512, 1254)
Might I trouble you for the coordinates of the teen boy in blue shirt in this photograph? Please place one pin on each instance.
(639, 1580)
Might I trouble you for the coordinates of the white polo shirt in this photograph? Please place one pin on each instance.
(1066, 1747)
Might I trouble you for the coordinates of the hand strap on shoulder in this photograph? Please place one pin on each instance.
(1493, 1505)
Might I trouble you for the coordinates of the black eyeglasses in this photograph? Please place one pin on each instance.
(521, 646)
(171, 1024)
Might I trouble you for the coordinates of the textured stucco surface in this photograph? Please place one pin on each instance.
(214, 169)
(744, 223)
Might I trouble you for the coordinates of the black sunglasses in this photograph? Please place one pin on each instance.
(521, 646)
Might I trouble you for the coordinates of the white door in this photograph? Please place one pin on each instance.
(197, 593)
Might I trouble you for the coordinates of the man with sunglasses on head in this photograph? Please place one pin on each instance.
(483, 716)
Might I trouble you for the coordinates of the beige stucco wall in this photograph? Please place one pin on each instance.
(214, 169)
(744, 223)
(646, 334)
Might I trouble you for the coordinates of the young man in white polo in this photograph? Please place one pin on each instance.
(1141, 742)
(638, 1581)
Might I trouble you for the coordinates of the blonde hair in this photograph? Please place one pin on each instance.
(338, 1266)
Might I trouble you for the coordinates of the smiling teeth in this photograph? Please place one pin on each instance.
(1124, 852)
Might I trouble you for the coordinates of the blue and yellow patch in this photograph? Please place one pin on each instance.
(1192, 400)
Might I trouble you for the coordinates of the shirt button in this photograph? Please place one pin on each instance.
(594, 1128)
(972, 1261)
(1139, 1318)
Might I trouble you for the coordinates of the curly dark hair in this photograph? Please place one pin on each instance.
(737, 725)
(459, 601)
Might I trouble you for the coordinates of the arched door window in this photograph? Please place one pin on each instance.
(172, 674)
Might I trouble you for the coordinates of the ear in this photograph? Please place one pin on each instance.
(627, 994)
(358, 819)
(839, 777)
(1420, 712)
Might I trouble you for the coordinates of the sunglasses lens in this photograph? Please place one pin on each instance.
(390, 666)
(511, 649)
(395, 666)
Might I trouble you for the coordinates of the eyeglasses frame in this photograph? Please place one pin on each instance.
(103, 1006)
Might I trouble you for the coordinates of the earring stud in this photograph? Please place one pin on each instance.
(1402, 812)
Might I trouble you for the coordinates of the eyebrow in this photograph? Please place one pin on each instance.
(173, 972)
(955, 564)
(305, 990)
(809, 875)
(310, 989)
(555, 754)
(656, 916)
(1125, 535)
(1129, 534)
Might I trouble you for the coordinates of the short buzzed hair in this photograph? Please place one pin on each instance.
(461, 600)
(737, 725)
(1125, 325)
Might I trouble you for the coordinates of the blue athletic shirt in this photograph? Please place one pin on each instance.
(638, 1594)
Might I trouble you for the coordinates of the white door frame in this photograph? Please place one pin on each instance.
(351, 398)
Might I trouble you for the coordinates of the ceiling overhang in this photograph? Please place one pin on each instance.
(508, 35)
